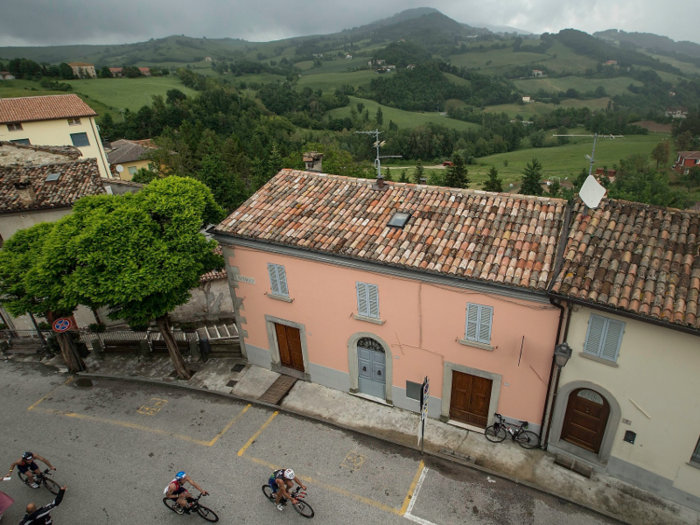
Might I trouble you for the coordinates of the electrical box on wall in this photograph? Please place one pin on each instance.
(630, 436)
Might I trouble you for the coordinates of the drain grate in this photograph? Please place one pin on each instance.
(238, 367)
(83, 382)
(231, 383)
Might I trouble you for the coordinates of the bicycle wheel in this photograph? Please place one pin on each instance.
(495, 436)
(527, 439)
(22, 477)
(207, 514)
(170, 503)
(304, 509)
(267, 490)
(52, 486)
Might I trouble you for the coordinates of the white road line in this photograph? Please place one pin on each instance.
(408, 515)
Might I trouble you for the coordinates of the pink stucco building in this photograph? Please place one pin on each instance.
(369, 289)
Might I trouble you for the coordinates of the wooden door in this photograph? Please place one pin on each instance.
(586, 419)
(470, 400)
(289, 342)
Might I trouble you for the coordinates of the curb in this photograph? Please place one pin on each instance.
(442, 457)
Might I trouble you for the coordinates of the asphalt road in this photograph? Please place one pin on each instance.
(117, 445)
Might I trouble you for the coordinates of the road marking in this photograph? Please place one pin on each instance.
(152, 407)
(408, 515)
(50, 393)
(412, 488)
(257, 434)
(230, 424)
(331, 488)
(353, 461)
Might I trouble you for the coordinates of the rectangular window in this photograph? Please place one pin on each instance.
(74, 122)
(696, 455)
(604, 337)
(80, 140)
(14, 126)
(22, 141)
(132, 170)
(479, 318)
(278, 279)
(368, 300)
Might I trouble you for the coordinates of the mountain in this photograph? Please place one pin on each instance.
(502, 29)
(661, 45)
(408, 14)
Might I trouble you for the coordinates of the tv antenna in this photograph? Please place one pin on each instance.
(378, 144)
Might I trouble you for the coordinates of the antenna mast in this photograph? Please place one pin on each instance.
(377, 144)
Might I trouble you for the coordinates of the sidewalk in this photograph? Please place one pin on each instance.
(532, 467)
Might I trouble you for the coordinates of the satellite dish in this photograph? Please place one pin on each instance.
(592, 192)
(120, 168)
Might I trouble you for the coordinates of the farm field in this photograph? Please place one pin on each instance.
(613, 86)
(403, 119)
(540, 108)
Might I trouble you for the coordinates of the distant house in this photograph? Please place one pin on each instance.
(411, 66)
(348, 57)
(318, 55)
(611, 174)
(130, 156)
(117, 72)
(686, 160)
(610, 63)
(537, 73)
(391, 68)
(679, 112)
(83, 69)
(374, 62)
(145, 71)
(207, 59)
(528, 100)
(6, 75)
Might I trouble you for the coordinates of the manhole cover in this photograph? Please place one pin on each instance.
(84, 383)
(238, 367)
(231, 383)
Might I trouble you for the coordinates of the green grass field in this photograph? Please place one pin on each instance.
(26, 88)
(613, 86)
(496, 60)
(527, 111)
(403, 119)
(328, 82)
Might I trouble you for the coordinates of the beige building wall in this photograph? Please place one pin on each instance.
(655, 383)
(58, 133)
(130, 168)
(11, 222)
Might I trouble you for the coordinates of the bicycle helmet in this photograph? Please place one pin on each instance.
(289, 474)
(28, 456)
(180, 475)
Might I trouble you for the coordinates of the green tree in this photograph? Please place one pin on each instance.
(562, 131)
(144, 176)
(637, 181)
(537, 139)
(65, 71)
(457, 174)
(532, 174)
(387, 175)
(494, 182)
(554, 189)
(104, 72)
(380, 116)
(661, 153)
(404, 176)
(226, 187)
(692, 178)
(418, 173)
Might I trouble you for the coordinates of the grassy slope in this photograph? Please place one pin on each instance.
(26, 88)
(330, 81)
(613, 86)
(540, 108)
(403, 119)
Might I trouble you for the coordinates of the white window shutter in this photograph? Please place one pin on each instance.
(373, 300)
(594, 338)
(485, 317)
(362, 303)
(613, 340)
(274, 281)
(472, 329)
(282, 279)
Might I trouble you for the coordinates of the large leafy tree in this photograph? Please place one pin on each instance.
(532, 174)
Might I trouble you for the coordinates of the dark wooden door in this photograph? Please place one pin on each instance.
(289, 341)
(586, 418)
(471, 396)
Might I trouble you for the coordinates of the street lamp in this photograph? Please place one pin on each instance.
(562, 354)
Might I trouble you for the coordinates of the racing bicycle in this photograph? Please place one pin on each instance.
(194, 506)
(518, 433)
(300, 506)
(41, 479)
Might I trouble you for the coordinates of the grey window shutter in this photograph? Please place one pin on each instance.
(373, 300)
(274, 281)
(594, 337)
(282, 279)
(613, 340)
(485, 317)
(471, 332)
(362, 304)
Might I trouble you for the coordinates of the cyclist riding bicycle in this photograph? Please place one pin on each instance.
(42, 516)
(280, 482)
(176, 491)
(27, 466)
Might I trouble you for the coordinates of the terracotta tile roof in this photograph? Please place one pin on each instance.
(50, 107)
(497, 238)
(689, 154)
(637, 258)
(77, 179)
(214, 275)
(126, 151)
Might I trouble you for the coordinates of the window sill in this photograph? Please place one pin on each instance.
(474, 344)
(369, 319)
(694, 464)
(284, 298)
(599, 359)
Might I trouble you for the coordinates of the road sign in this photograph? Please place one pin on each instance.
(424, 397)
(62, 324)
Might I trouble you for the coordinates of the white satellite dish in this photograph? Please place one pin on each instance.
(120, 168)
(592, 192)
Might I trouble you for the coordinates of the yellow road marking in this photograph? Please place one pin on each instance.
(50, 393)
(257, 434)
(152, 407)
(353, 461)
(332, 488)
(412, 488)
(230, 424)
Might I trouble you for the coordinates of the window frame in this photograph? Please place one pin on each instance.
(14, 126)
(364, 292)
(479, 324)
(280, 275)
(73, 137)
(74, 121)
(695, 456)
(24, 142)
(133, 168)
(605, 331)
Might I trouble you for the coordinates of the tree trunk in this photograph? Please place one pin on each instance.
(178, 362)
(69, 353)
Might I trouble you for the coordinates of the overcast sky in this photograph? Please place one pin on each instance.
(53, 22)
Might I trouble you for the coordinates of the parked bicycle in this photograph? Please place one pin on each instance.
(300, 506)
(42, 479)
(194, 506)
(518, 433)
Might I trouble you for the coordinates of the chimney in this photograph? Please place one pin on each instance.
(26, 193)
(313, 161)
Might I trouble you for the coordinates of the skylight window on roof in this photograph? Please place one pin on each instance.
(52, 177)
(399, 219)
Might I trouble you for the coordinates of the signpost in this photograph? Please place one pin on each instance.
(424, 397)
(62, 324)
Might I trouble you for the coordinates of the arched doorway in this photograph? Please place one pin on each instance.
(371, 367)
(586, 419)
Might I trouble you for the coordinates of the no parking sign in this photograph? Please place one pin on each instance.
(62, 324)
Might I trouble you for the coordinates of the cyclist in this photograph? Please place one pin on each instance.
(27, 466)
(176, 491)
(42, 516)
(280, 482)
